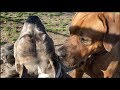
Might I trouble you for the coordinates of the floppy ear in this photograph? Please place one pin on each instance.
(22, 71)
(77, 20)
(113, 31)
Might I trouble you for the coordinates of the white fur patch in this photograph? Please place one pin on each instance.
(41, 74)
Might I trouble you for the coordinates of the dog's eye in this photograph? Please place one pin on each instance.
(86, 40)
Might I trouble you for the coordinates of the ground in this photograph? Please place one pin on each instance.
(56, 24)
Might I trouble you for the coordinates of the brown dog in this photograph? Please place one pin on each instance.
(90, 45)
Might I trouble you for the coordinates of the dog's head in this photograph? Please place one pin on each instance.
(7, 54)
(90, 33)
(34, 50)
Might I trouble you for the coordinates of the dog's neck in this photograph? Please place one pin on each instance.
(92, 57)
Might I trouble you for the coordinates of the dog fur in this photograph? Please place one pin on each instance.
(34, 50)
(92, 46)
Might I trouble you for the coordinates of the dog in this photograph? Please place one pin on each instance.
(8, 71)
(91, 45)
(7, 54)
(34, 52)
(7, 67)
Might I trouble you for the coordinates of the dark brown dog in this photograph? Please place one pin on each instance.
(34, 51)
(90, 45)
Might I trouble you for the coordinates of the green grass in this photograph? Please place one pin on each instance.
(12, 22)
(1, 43)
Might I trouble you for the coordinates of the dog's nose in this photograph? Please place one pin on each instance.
(32, 19)
(35, 20)
(61, 52)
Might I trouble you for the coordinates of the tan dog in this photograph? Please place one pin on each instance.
(34, 51)
(90, 45)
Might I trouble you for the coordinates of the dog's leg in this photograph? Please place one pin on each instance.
(79, 73)
(76, 73)
(111, 70)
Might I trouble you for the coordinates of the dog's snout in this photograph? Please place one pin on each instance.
(32, 19)
(62, 52)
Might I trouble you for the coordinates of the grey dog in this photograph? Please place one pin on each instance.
(34, 51)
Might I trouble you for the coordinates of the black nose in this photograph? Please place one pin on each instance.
(32, 19)
(35, 20)
(61, 52)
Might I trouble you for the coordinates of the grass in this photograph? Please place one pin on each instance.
(12, 23)
(1, 43)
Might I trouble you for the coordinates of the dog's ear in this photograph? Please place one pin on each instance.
(77, 20)
(22, 71)
(113, 31)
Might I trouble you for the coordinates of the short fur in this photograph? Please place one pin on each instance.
(92, 44)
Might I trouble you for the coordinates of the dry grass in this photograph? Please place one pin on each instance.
(12, 23)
